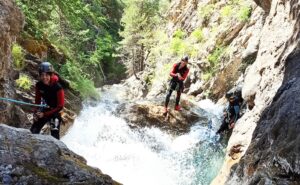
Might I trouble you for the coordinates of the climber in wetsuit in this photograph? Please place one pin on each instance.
(231, 114)
(48, 90)
(179, 73)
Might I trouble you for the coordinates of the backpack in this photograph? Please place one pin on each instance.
(64, 83)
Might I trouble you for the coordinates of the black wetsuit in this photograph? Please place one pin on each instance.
(176, 84)
(53, 95)
(232, 115)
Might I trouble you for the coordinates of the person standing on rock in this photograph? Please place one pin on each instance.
(179, 73)
(48, 91)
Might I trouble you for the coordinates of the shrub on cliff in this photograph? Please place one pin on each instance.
(18, 57)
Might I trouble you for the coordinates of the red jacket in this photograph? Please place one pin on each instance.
(184, 71)
(52, 94)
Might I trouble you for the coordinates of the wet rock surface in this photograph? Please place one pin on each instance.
(11, 21)
(273, 155)
(268, 151)
(37, 159)
(147, 114)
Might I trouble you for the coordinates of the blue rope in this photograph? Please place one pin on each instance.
(22, 102)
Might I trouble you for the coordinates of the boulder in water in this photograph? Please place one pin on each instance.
(147, 114)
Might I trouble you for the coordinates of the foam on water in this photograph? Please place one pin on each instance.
(146, 156)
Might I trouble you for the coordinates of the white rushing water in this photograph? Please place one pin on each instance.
(146, 156)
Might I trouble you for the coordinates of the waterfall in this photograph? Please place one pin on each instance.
(147, 156)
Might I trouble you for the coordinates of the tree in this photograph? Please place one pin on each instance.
(139, 19)
(85, 31)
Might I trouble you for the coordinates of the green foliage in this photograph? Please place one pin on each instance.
(118, 71)
(176, 45)
(244, 13)
(214, 57)
(179, 34)
(86, 87)
(226, 11)
(198, 35)
(70, 71)
(149, 79)
(206, 11)
(140, 18)
(207, 76)
(164, 6)
(104, 46)
(85, 31)
(179, 47)
(207, 93)
(79, 80)
(238, 9)
(24, 82)
(194, 51)
(64, 48)
(235, 2)
(44, 174)
(18, 57)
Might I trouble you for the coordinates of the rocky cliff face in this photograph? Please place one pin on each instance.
(11, 21)
(266, 136)
(228, 45)
(38, 159)
(273, 152)
(263, 58)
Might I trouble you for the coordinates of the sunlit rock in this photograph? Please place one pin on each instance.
(147, 114)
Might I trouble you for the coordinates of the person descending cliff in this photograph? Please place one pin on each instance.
(231, 114)
(49, 91)
(178, 73)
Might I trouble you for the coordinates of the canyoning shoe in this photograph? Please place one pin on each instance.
(178, 108)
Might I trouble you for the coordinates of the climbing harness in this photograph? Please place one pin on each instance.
(174, 86)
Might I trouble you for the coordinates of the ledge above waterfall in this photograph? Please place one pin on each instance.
(147, 114)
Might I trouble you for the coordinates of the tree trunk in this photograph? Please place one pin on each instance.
(142, 58)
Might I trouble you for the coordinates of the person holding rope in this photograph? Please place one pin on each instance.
(48, 90)
(179, 73)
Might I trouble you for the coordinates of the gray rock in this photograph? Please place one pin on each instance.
(11, 21)
(148, 114)
(39, 159)
(273, 155)
(196, 88)
(267, 135)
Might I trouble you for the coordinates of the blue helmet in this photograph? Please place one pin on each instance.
(45, 67)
